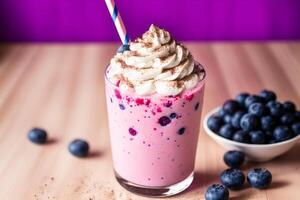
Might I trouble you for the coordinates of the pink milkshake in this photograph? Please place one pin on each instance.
(154, 97)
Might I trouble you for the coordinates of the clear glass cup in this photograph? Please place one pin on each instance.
(154, 139)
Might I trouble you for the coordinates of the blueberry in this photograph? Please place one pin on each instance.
(236, 118)
(132, 131)
(269, 135)
(214, 123)
(124, 47)
(267, 95)
(249, 122)
(289, 107)
(259, 178)
(275, 108)
(79, 148)
(281, 133)
(222, 112)
(217, 192)
(287, 119)
(37, 135)
(252, 99)
(196, 106)
(257, 137)
(272, 141)
(234, 159)
(241, 98)
(164, 121)
(173, 115)
(227, 119)
(181, 131)
(258, 109)
(241, 136)
(226, 131)
(296, 128)
(122, 107)
(267, 123)
(297, 116)
(231, 106)
(233, 178)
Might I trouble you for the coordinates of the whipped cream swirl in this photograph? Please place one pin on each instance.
(156, 63)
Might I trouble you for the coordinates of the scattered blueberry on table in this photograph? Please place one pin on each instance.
(79, 148)
(256, 119)
(234, 159)
(37, 136)
(233, 178)
(259, 178)
(217, 192)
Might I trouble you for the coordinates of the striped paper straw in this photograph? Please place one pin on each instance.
(117, 21)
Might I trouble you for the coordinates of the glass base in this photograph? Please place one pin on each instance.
(147, 191)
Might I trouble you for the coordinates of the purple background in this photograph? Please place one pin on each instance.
(88, 20)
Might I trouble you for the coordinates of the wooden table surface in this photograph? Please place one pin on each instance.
(60, 87)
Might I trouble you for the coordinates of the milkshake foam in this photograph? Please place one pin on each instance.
(156, 63)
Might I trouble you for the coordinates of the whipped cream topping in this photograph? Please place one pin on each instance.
(156, 63)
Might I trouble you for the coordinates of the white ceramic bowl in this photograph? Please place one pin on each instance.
(253, 152)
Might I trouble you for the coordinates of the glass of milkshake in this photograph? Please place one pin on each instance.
(154, 94)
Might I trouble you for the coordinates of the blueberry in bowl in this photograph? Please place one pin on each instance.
(240, 98)
(289, 107)
(231, 106)
(258, 109)
(215, 123)
(241, 136)
(275, 108)
(258, 125)
(236, 119)
(249, 122)
(227, 131)
(252, 99)
(267, 95)
(258, 137)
